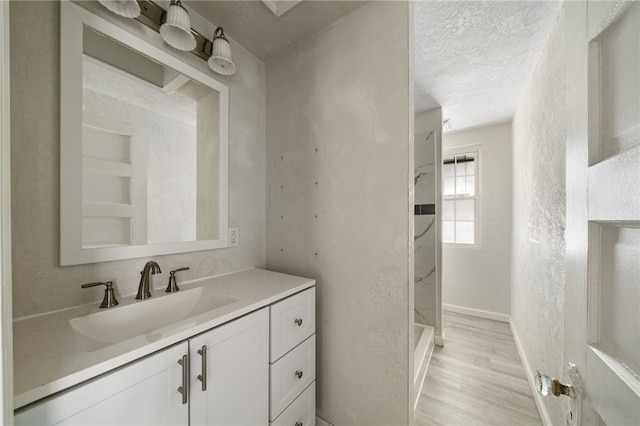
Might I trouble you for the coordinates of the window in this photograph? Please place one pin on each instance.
(460, 198)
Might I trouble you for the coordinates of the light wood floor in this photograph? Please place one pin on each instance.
(477, 378)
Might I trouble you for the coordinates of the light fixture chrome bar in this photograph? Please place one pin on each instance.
(153, 17)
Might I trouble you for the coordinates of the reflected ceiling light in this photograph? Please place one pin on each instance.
(220, 59)
(126, 8)
(176, 30)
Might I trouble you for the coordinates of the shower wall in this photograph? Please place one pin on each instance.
(427, 263)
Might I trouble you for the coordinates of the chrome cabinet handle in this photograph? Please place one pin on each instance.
(298, 321)
(299, 374)
(184, 389)
(203, 377)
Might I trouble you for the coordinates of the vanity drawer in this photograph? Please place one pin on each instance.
(301, 412)
(292, 321)
(291, 374)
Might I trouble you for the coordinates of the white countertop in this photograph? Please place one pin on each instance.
(49, 357)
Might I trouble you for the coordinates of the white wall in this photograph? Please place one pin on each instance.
(479, 277)
(427, 232)
(39, 284)
(339, 174)
(6, 331)
(539, 194)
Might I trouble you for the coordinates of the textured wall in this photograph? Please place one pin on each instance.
(338, 178)
(39, 284)
(428, 140)
(538, 244)
(484, 281)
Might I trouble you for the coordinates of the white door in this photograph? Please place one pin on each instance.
(114, 182)
(142, 393)
(230, 373)
(602, 322)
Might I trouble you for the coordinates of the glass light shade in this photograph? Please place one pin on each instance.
(176, 30)
(220, 60)
(126, 8)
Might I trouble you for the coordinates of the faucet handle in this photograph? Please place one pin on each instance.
(109, 299)
(173, 285)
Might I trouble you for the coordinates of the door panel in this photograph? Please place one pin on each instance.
(142, 393)
(614, 189)
(237, 373)
(611, 349)
(114, 195)
(613, 72)
(616, 294)
(611, 391)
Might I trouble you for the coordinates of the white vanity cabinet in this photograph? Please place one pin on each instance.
(226, 377)
(293, 360)
(230, 373)
(143, 392)
(252, 366)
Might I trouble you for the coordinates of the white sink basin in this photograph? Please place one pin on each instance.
(115, 325)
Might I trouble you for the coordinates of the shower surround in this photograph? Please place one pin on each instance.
(427, 247)
(425, 230)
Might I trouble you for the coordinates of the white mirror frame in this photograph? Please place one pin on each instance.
(72, 20)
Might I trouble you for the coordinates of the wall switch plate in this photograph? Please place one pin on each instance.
(233, 237)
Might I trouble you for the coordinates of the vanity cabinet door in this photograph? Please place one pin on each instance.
(236, 372)
(144, 392)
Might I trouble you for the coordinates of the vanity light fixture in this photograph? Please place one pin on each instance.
(220, 59)
(126, 8)
(176, 30)
(173, 25)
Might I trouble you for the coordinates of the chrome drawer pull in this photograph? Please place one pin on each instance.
(203, 377)
(299, 374)
(184, 389)
(298, 321)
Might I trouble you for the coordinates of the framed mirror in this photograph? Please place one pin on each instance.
(143, 145)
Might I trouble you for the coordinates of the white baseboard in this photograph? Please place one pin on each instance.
(322, 422)
(422, 375)
(422, 356)
(420, 351)
(542, 409)
(476, 312)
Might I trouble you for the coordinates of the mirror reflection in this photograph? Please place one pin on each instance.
(149, 150)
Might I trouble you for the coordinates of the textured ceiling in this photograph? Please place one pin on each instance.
(251, 23)
(474, 58)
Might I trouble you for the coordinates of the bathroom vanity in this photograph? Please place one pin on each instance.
(144, 129)
(248, 360)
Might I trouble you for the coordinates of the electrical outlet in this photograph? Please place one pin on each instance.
(233, 237)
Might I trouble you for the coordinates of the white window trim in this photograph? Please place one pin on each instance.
(477, 150)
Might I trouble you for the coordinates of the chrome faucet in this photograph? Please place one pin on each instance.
(150, 267)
